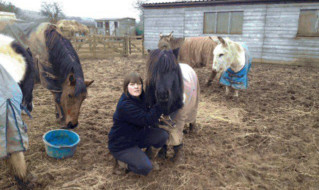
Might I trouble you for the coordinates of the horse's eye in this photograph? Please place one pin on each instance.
(221, 55)
(70, 96)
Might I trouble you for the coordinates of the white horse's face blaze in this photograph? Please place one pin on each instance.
(221, 62)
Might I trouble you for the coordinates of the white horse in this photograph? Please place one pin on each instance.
(16, 63)
(233, 61)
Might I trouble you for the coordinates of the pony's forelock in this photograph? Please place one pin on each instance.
(163, 62)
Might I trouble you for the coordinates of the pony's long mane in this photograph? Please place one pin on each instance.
(27, 83)
(63, 60)
(160, 62)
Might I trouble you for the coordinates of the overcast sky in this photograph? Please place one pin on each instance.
(87, 8)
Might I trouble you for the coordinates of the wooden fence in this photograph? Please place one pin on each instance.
(99, 46)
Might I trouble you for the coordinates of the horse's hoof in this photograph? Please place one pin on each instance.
(149, 153)
(156, 166)
(193, 128)
(178, 157)
(163, 152)
(208, 83)
(25, 184)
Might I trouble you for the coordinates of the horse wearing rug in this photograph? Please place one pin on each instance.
(57, 66)
(234, 61)
(15, 63)
(176, 87)
(22, 71)
(195, 51)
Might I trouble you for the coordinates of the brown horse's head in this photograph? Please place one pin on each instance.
(70, 102)
(64, 75)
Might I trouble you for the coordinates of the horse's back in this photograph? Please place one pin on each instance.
(191, 93)
(13, 62)
(197, 51)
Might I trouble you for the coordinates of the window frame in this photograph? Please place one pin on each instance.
(99, 24)
(307, 35)
(216, 22)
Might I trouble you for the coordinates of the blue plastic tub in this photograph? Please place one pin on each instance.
(60, 143)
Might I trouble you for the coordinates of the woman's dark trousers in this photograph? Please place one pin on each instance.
(136, 159)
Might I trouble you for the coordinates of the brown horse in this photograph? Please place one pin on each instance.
(57, 66)
(194, 51)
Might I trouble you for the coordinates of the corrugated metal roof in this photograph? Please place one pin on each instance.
(183, 3)
(114, 19)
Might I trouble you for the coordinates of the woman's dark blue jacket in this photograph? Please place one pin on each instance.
(130, 117)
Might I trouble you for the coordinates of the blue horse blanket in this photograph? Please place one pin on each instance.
(237, 80)
(13, 131)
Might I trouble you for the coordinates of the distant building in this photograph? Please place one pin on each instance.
(275, 31)
(116, 26)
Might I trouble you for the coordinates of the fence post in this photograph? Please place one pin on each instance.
(94, 46)
(129, 45)
(125, 46)
(143, 44)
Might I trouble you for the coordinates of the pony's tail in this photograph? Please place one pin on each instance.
(18, 165)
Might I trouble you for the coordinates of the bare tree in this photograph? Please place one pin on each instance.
(53, 11)
(8, 7)
(138, 5)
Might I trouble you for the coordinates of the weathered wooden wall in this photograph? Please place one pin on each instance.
(269, 30)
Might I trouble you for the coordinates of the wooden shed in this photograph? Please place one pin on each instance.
(276, 31)
(116, 26)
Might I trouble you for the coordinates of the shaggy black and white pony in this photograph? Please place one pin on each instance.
(16, 62)
(176, 87)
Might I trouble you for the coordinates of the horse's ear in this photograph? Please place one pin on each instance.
(72, 80)
(88, 83)
(161, 35)
(214, 39)
(170, 34)
(222, 40)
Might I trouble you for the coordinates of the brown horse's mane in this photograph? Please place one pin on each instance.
(27, 84)
(63, 60)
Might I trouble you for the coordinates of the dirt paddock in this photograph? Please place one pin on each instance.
(268, 138)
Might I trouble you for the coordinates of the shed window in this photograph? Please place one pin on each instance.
(99, 24)
(223, 22)
(107, 25)
(308, 23)
(116, 24)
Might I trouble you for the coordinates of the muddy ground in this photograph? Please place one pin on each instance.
(268, 138)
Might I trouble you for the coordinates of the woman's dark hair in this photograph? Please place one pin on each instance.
(132, 77)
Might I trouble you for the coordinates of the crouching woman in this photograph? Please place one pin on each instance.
(132, 127)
